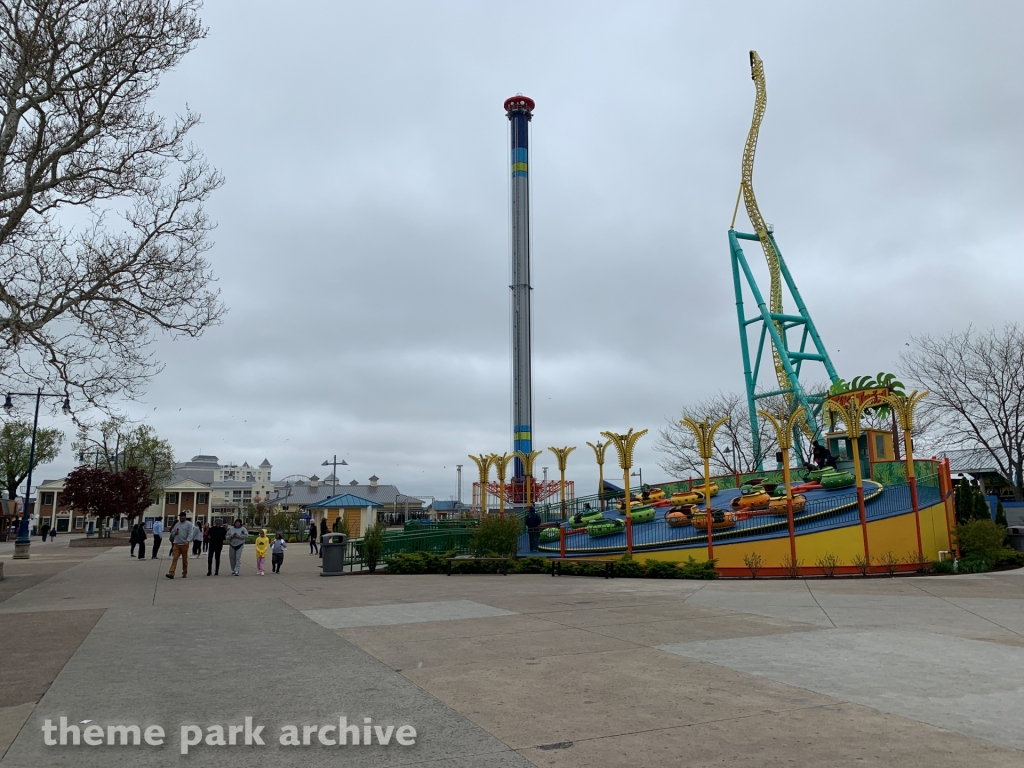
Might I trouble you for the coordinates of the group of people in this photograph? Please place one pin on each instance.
(211, 539)
(47, 530)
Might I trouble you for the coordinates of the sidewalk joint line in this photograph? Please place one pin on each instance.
(814, 597)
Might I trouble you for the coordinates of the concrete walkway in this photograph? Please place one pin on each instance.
(512, 671)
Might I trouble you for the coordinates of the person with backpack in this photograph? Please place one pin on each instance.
(277, 549)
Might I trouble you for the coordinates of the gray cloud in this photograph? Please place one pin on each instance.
(363, 248)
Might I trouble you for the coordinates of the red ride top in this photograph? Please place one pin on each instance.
(519, 103)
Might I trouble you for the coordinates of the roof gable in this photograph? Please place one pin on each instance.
(344, 500)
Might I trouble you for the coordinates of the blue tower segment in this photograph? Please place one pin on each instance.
(519, 110)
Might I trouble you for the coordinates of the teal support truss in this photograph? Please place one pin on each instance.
(767, 325)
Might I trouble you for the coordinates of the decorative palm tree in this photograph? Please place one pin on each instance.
(528, 459)
(483, 463)
(501, 467)
(562, 454)
(599, 449)
(850, 410)
(903, 406)
(705, 436)
(784, 432)
(624, 445)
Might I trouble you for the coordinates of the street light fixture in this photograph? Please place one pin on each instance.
(334, 474)
(23, 541)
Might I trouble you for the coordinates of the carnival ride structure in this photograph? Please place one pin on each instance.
(867, 504)
(771, 323)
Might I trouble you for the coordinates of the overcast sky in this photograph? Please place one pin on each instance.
(363, 231)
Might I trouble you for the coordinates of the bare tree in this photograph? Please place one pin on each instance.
(734, 443)
(976, 382)
(102, 228)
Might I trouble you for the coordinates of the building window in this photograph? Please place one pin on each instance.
(202, 498)
(79, 523)
(47, 499)
(879, 447)
(172, 498)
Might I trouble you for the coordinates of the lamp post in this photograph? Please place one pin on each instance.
(334, 473)
(95, 453)
(483, 463)
(705, 447)
(527, 459)
(903, 407)
(599, 449)
(562, 454)
(850, 411)
(624, 445)
(640, 474)
(24, 541)
(784, 432)
(501, 463)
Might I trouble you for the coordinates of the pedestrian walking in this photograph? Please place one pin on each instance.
(181, 535)
(44, 531)
(197, 540)
(533, 528)
(53, 534)
(133, 539)
(141, 537)
(313, 549)
(236, 536)
(262, 544)
(323, 532)
(277, 553)
(206, 537)
(216, 542)
(158, 536)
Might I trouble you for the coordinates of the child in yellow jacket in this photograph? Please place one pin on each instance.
(262, 545)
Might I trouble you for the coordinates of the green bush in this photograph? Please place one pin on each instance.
(973, 564)
(692, 569)
(628, 568)
(496, 537)
(1008, 557)
(661, 569)
(532, 564)
(373, 544)
(943, 566)
(418, 562)
(981, 538)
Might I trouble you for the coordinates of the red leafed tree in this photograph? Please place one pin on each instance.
(103, 494)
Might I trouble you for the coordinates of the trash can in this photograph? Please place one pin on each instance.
(332, 546)
(1015, 533)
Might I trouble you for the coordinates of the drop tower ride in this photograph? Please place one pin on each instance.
(519, 110)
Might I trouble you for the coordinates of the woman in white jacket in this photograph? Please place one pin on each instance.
(197, 540)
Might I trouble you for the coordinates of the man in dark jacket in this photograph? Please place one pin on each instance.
(140, 539)
(217, 534)
(323, 532)
(533, 528)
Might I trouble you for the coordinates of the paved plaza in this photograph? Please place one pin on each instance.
(508, 671)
